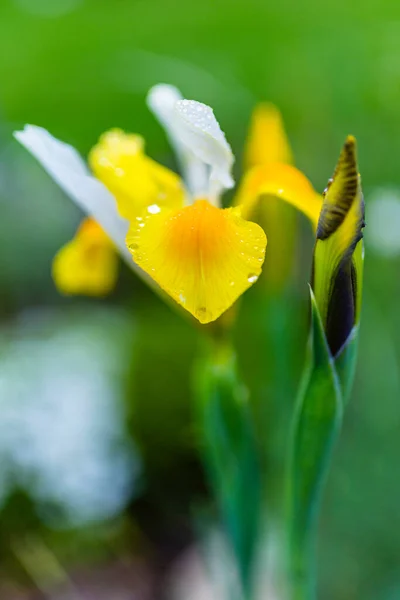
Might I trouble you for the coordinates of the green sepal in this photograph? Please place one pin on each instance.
(230, 454)
(316, 424)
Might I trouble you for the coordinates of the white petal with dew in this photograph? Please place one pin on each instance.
(202, 149)
(199, 130)
(161, 100)
(68, 169)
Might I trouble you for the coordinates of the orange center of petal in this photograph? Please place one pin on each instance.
(204, 257)
(196, 233)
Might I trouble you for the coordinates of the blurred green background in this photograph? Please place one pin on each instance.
(99, 472)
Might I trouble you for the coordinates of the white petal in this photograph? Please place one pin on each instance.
(68, 169)
(161, 99)
(193, 130)
(199, 130)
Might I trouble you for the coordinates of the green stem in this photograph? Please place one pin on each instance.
(302, 566)
(229, 452)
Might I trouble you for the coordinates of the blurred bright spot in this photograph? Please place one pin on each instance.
(208, 572)
(48, 8)
(62, 435)
(383, 221)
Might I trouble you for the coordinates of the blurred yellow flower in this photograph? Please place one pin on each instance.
(267, 141)
(88, 264)
(269, 171)
(269, 178)
(283, 181)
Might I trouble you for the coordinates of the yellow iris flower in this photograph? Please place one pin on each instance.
(172, 231)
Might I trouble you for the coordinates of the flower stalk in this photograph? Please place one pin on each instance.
(230, 455)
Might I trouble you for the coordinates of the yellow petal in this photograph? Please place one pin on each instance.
(135, 180)
(204, 257)
(283, 181)
(88, 264)
(267, 141)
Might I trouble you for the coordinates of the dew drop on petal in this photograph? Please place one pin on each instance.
(252, 278)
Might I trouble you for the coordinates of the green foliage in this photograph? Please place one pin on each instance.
(317, 419)
(230, 454)
(317, 422)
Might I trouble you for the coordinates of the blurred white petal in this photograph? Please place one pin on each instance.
(68, 169)
(161, 99)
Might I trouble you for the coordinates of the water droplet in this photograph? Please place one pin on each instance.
(182, 298)
(153, 209)
(252, 278)
(201, 311)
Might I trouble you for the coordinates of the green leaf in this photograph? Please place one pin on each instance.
(317, 420)
(345, 363)
(230, 454)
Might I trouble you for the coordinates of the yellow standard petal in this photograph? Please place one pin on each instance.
(267, 141)
(135, 180)
(88, 264)
(283, 181)
(204, 257)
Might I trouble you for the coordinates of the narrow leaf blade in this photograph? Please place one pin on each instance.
(317, 419)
